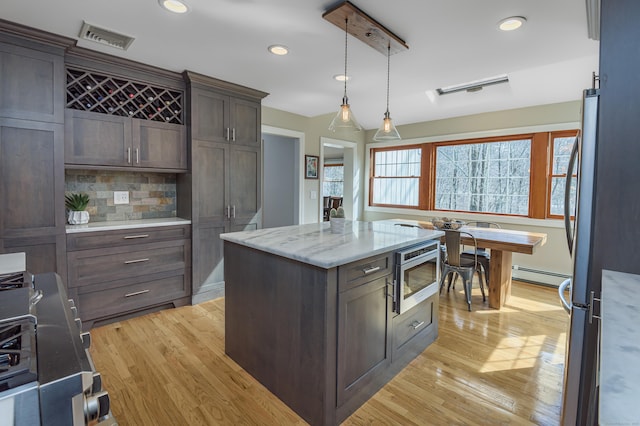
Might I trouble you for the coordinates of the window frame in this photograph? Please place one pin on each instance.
(421, 178)
(539, 181)
(551, 175)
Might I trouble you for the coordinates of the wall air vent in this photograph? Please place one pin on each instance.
(102, 36)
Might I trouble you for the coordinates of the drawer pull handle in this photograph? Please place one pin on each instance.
(131, 237)
(129, 262)
(136, 293)
(371, 270)
(416, 325)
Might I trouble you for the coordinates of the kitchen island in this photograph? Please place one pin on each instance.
(309, 313)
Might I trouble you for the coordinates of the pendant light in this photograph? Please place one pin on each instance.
(344, 119)
(387, 131)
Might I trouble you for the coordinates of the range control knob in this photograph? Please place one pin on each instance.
(97, 383)
(96, 406)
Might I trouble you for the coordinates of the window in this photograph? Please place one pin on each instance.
(333, 180)
(561, 146)
(491, 177)
(521, 175)
(396, 177)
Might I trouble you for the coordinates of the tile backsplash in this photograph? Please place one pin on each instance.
(151, 195)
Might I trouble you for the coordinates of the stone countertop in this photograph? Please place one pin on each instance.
(126, 224)
(316, 245)
(620, 349)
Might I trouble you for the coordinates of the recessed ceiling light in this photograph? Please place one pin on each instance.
(175, 6)
(278, 49)
(511, 23)
(341, 77)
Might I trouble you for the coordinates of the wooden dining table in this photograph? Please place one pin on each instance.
(502, 243)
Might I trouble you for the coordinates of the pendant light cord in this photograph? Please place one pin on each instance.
(346, 34)
(388, 72)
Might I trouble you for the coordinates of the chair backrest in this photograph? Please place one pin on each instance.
(336, 202)
(452, 241)
(326, 202)
(480, 224)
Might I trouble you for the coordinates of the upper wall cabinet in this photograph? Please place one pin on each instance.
(100, 140)
(217, 117)
(115, 122)
(31, 84)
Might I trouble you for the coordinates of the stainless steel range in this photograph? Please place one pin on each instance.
(47, 376)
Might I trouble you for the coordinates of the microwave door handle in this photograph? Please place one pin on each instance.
(567, 196)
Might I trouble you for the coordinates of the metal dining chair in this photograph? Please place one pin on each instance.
(456, 264)
(481, 254)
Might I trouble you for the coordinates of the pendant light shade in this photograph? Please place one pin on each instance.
(344, 119)
(387, 131)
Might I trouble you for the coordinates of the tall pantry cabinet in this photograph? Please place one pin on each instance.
(32, 147)
(223, 191)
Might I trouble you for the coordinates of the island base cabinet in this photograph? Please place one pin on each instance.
(323, 340)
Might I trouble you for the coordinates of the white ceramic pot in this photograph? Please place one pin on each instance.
(78, 217)
(340, 225)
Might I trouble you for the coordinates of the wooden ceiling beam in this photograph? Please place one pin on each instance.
(364, 28)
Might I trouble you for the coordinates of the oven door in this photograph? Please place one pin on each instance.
(417, 279)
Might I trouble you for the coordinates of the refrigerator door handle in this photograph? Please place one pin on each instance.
(567, 195)
(561, 290)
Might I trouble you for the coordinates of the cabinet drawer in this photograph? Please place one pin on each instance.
(360, 272)
(412, 322)
(87, 267)
(126, 237)
(99, 302)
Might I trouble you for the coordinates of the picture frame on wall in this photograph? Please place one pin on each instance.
(311, 166)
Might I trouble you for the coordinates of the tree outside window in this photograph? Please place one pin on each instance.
(333, 181)
(488, 177)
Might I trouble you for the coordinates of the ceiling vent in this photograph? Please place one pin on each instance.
(102, 36)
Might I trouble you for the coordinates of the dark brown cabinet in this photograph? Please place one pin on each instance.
(225, 186)
(115, 274)
(31, 193)
(32, 148)
(223, 118)
(364, 336)
(102, 140)
(31, 84)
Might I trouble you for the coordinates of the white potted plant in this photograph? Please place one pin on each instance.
(339, 224)
(77, 203)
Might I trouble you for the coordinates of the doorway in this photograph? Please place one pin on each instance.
(332, 152)
(282, 150)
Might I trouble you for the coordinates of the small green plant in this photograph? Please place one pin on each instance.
(76, 202)
(337, 213)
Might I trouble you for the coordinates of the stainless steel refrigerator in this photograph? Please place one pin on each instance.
(607, 216)
(580, 391)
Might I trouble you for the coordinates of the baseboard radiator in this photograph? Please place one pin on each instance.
(547, 278)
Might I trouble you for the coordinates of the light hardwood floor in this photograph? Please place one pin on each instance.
(487, 367)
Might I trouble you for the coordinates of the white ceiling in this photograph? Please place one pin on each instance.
(549, 60)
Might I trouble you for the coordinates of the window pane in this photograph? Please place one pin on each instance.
(333, 183)
(484, 177)
(396, 191)
(557, 196)
(561, 152)
(397, 177)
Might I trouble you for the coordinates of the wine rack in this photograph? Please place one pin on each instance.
(90, 91)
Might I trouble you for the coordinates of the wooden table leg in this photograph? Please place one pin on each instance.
(499, 278)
